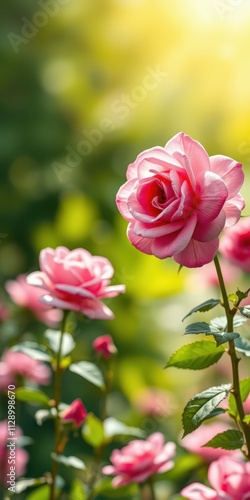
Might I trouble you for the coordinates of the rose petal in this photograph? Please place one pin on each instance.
(212, 198)
(198, 157)
(198, 491)
(197, 253)
(230, 171)
(174, 243)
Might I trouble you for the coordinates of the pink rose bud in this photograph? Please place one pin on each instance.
(235, 244)
(105, 346)
(75, 412)
(28, 297)
(229, 478)
(140, 459)
(177, 200)
(76, 281)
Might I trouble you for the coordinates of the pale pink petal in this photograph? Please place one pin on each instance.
(38, 278)
(212, 198)
(197, 253)
(73, 290)
(112, 291)
(109, 469)
(198, 491)
(156, 159)
(120, 481)
(174, 243)
(230, 171)
(198, 157)
(233, 210)
(165, 467)
(210, 231)
(122, 199)
(149, 231)
(157, 439)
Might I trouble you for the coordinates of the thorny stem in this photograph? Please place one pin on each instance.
(57, 392)
(234, 359)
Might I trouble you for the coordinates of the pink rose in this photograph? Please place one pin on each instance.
(139, 460)
(14, 364)
(177, 200)
(75, 280)
(235, 244)
(230, 479)
(154, 402)
(194, 442)
(75, 412)
(21, 456)
(105, 346)
(28, 297)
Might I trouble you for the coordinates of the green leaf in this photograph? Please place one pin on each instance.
(93, 431)
(53, 337)
(245, 311)
(196, 356)
(196, 328)
(34, 350)
(246, 419)
(220, 323)
(222, 337)
(114, 428)
(23, 484)
(205, 306)
(244, 392)
(71, 461)
(201, 406)
(89, 372)
(215, 413)
(32, 395)
(242, 295)
(242, 345)
(42, 415)
(41, 493)
(227, 440)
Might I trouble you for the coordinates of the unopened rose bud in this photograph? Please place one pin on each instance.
(105, 346)
(75, 412)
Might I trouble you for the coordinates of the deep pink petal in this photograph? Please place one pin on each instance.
(210, 231)
(212, 198)
(74, 290)
(198, 157)
(171, 244)
(197, 253)
(230, 171)
(143, 244)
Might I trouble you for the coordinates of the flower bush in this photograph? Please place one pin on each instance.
(178, 201)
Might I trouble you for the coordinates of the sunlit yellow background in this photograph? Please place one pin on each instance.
(86, 73)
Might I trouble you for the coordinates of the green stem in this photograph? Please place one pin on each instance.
(234, 359)
(147, 490)
(57, 397)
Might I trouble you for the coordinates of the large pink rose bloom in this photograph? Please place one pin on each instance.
(21, 456)
(177, 200)
(229, 478)
(235, 244)
(28, 297)
(137, 461)
(75, 280)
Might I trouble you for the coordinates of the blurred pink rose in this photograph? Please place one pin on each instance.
(139, 460)
(14, 364)
(177, 200)
(230, 479)
(75, 412)
(193, 442)
(154, 402)
(21, 456)
(75, 280)
(105, 346)
(235, 244)
(207, 276)
(28, 297)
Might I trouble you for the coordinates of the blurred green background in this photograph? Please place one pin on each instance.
(86, 85)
